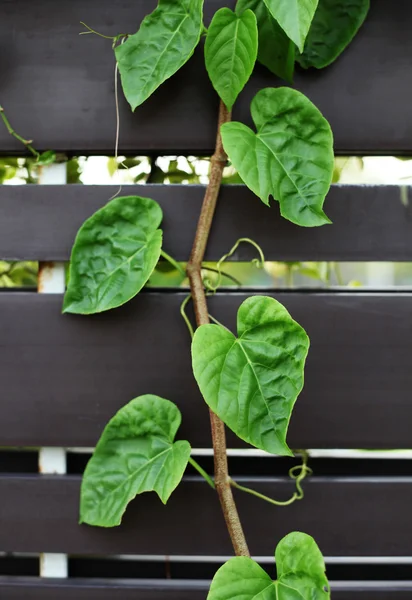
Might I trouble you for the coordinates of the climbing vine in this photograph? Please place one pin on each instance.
(250, 380)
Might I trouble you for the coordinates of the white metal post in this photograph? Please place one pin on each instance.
(51, 280)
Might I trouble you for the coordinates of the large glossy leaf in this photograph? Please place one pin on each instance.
(164, 43)
(114, 254)
(230, 52)
(136, 453)
(290, 157)
(276, 51)
(300, 574)
(294, 16)
(334, 26)
(252, 381)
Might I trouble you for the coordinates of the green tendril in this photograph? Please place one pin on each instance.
(211, 288)
(298, 473)
(184, 315)
(114, 38)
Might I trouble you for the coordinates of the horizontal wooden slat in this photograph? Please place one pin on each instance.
(369, 222)
(64, 376)
(58, 88)
(37, 589)
(347, 517)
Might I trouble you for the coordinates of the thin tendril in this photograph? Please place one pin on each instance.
(116, 146)
(258, 262)
(298, 473)
(184, 315)
(224, 274)
(114, 38)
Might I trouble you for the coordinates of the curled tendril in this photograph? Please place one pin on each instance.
(298, 473)
(184, 315)
(259, 263)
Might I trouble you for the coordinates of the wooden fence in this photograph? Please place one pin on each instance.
(62, 377)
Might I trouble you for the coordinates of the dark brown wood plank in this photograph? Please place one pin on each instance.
(369, 222)
(64, 376)
(347, 517)
(40, 589)
(59, 89)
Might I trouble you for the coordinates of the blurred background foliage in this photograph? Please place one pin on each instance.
(192, 170)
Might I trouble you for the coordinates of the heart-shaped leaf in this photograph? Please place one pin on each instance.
(294, 16)
(164, 43)
(251, 382)
(300, 574)
(290, 157)
(334, 26)
(230, 52)
(136, 453)
(275, 50)
(114, 254)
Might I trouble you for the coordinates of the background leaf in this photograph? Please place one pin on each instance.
(136, 453)
(275, 49)
(252, 382)
(114, 254)
(300, 568)
(230, 52)
(164, 43)
(294, 16)
(334, 26)
(290, 157)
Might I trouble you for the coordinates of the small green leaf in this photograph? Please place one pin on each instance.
(290, 157)
(46, 158)
(136, 453)
(334, 26)
(164, 43)
(114, 254)
(300, 571)
(252, 382)
(230, 52)
(294, 16)
(275, 50)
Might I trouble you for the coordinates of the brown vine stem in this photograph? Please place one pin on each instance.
(194, 272)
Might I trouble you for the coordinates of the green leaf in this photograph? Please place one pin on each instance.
(136, 453)
(114, 254)
(290, 157)
(46, 158)
(251, 382)
(334, 26)
(275, 49)
(164, 43)
(230, 52)
(300, 571)
(294, 16)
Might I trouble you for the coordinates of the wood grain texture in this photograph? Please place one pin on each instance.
(369, 222)
(58, 88)
(359, 517)
(37, 589)
(64, 376)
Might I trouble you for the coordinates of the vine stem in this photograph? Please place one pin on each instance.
(194, 272)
